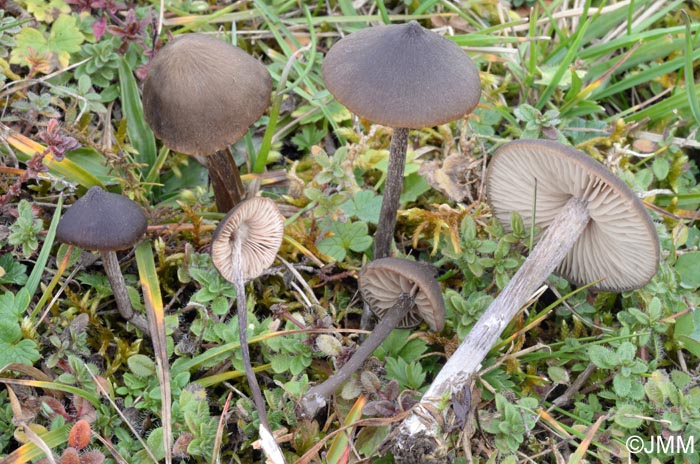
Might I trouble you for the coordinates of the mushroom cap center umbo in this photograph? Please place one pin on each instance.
(619, 243)
(201, 94)
(384, 281)
(102, 221)
(402, 75)
(256, 226)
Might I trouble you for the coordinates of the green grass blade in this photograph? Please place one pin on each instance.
(93, 399)
(29, 451)
(688, 69)
(140, 135)
(38, 270)
(66, 169)
(563, 65)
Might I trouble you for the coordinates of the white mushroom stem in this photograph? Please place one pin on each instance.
(392, 193)
(317, 396)
(552, 248)
(121, 296)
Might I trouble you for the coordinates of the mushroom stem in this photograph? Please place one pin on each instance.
(116, 281)
(392, 193)
(552, 248)
(242, 326)
(317, 396)
(225, 180)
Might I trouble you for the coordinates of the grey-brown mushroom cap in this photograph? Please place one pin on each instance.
(102, 221)
(259, 226)
(384, 280)
(619, 243)
(402, 76)
(201, 94)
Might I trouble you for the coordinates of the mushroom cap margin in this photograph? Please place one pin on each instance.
(619, 243)
(382, 282)
(402, 75)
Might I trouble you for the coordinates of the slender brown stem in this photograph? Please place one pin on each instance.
(392, 192)
(225, 180)
(384, 235)
(242, 326)
(317, 396)
(121, 296)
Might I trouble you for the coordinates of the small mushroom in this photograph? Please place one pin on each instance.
(106, 222)
(406, 77)
(243, 246)
(401, 293)
(593, 227)
(200, 95)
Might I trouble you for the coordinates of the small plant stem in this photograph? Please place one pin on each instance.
(116, 281)
(392, 193)
(242, 326)
(317, 396)
(552, 248)
(225, 180)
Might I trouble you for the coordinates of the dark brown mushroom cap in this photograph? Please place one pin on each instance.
(259, 226)
(402, 76)
(102, 221)
(201, 94)
(620, 241)
(384, 280)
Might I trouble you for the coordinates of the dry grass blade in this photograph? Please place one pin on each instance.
(156, 323)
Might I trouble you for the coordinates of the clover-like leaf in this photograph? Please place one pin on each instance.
(347, 236)
(365, 206)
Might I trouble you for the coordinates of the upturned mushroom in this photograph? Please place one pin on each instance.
(200, 96)
(406, 77)
(244, 245)
(106, 222)
(593, 227)
(401, 293)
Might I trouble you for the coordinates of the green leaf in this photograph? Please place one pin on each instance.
(155, 443)
(365, 206)
(140, 135)
(688, 268)
(601, 356)
(558, 374)
(622, 385)
(687, 331)
(15, 272)
(65, 38)
(12, 348)
(661, 167)
(414, 185)
(346, 236)
(141, 365)
(46, 11)
(626, 351)
(627, 416)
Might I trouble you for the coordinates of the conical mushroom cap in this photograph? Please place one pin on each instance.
(619, 243)
(259, 227)
(384, 280)
(402, 76)
(201, 94)
(102, 221)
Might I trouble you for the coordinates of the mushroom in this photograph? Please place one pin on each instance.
(406, 77)
(593, 227)
(244, 245)
(106, 222)
(200, 95)
(401, 293)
